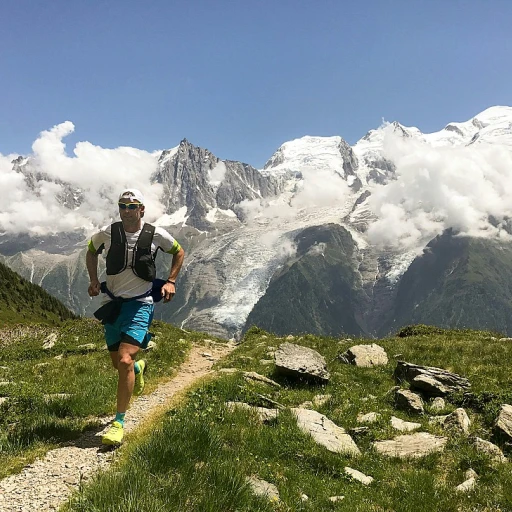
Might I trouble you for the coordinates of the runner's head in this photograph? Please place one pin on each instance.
(131, 197)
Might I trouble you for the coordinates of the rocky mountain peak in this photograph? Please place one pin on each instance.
(210, 189)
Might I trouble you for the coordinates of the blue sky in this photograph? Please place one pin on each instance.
(242, 77)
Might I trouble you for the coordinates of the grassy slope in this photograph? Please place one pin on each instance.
(30, 421)
(200, 454)
(24, 302)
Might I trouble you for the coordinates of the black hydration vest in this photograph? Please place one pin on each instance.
(143, 262)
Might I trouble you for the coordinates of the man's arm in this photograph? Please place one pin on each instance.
(91, 262)
(169, 289)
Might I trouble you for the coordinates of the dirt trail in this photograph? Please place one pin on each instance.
(48, 483)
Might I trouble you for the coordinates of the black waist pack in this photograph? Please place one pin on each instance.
(108, 313)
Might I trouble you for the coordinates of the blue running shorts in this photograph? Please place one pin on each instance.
(131, 326)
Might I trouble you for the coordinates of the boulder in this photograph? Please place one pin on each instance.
(297, 361)
(490, 449)
(408, 401)
(458, 421)
(503, 425)
(429, 379)
(365, 355)
(411, 445)
(325, 432)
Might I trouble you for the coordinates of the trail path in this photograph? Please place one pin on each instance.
(48, 483)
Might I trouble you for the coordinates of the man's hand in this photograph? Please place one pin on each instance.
(94, 288)
(168, 291)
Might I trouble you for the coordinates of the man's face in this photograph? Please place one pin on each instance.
(133, 211)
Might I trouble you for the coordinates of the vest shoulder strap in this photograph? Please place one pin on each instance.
(146, 237)
(117, 234)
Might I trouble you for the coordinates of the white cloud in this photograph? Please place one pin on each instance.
(438, 188)
(98, 172)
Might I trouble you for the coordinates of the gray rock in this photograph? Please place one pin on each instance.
(320, 400)
(429, 385)
(404, 426)
(370, 417)
(470, 473)
(298, 361)
(263, 488)
(365, 355)
(458, 421)
(50, 341)
(325, 432)
(408, 401)
(357, 475)
(411, 445)
(359, 431)
(490, 449)
(437, 404)
(260, 378)
(504, 422)
(264, 415)
(449, 381)
(466, 486)
(87, 347)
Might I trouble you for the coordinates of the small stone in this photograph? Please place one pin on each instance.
(151, 345)
(87, 347)
(304, 497)
(371, 417)
(470, 473)
(260, 378)
(466, 486)
(404, 426)
(437, 404)
(320, 400)
(41, 365)
(262, 488)
(335, 499)
(357, 475)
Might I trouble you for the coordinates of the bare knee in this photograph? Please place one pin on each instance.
(125, 363)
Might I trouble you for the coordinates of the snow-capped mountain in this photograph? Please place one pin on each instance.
(252, 235)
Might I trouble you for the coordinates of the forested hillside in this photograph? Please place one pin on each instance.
(24, 302)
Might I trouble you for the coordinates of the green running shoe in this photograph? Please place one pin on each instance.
(114, 434)
(138, 388)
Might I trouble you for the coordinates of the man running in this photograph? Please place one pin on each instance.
(130, 247)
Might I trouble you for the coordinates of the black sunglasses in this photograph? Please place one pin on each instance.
(130, 206)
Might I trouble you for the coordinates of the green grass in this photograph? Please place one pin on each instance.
(24, 302)
(200, 453)
(35, 418)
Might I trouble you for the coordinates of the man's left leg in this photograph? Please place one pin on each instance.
(126, 380)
